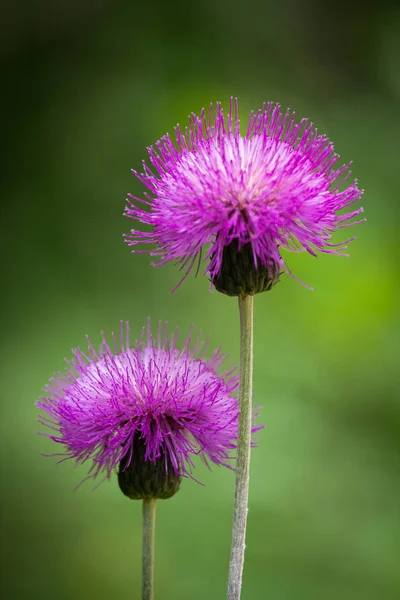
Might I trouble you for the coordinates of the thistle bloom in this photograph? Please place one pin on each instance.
(245, 197)
(148, 407)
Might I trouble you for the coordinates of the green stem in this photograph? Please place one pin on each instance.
(149, 521)
(243, 449)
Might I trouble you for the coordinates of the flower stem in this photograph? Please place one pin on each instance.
(243, 448)
(149, 521)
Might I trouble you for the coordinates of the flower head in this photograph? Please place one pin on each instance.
(148, 407)
(278, 186)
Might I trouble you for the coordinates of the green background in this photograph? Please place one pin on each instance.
(87, 85)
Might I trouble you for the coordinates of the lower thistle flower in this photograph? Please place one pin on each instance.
(147, 410)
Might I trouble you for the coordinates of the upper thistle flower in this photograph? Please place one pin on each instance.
(148, 409)
(278, 186)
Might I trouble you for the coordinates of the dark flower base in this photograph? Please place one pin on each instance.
(239, 277)
(147, 479)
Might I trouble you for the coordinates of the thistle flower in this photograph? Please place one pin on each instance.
(147, 408)
(245, 197)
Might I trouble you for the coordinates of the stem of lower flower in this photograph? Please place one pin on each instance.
(243, 449)
(149, 521)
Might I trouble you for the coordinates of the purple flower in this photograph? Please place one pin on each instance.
(152, 399)
(278, 186)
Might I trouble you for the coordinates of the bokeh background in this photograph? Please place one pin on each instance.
(87, 85)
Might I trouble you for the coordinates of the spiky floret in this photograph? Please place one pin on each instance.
(278, 186)
(173, 402)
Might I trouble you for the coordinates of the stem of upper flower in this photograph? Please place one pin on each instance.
(243, 449)
(149, 521)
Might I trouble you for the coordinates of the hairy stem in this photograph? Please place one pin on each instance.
(243, 449)
(149, 521)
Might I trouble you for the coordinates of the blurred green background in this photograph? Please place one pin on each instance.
(87, 85)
